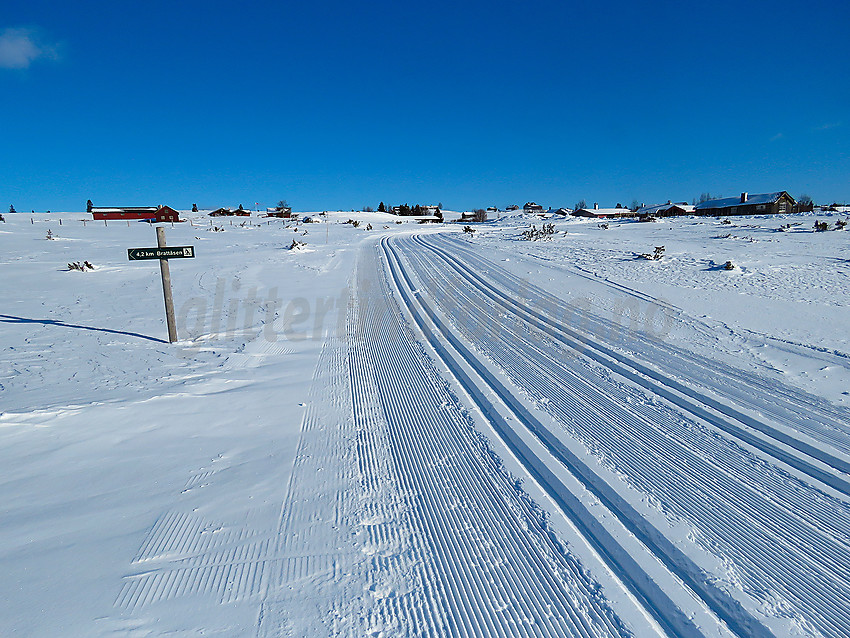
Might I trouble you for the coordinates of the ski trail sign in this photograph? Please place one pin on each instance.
(164, 253)
(171, 252)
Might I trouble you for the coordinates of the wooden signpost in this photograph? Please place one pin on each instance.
(164, 253)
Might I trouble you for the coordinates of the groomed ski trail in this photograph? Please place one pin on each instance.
(493, 566)
(780, 536)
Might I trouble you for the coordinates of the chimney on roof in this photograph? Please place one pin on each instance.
(595, 206)
(669, 202)
(744, 198)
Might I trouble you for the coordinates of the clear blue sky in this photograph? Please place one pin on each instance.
(338, 105)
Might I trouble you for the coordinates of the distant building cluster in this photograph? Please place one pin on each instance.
(163, 213)
(775, 203)
(762, 204)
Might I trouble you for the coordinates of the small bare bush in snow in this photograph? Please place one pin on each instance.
(655, 256)
(82, 267)
(534, 234)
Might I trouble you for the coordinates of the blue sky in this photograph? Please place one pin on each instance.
(334, 105)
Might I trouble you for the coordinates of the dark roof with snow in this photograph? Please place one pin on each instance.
(729, 202)
(663, 208)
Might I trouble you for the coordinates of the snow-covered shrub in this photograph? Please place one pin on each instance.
(728, 266)
(297, 245)
(533, 234)
(821, 226)
(655, 256)
(82, 267)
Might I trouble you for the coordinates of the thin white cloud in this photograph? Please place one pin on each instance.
(777, 137)
(828, 126)
(20, 47)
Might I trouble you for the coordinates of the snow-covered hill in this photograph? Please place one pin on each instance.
(410, 430)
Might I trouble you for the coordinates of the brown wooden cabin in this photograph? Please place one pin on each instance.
(763, 204)
(226, 212)
(281, 214)
(670, 209)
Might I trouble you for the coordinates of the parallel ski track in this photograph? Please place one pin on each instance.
(655, 600)
(788, 406)
(796, 539)
(498, 571)
(819, 463)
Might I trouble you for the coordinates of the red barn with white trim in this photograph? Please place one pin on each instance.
(154, 213)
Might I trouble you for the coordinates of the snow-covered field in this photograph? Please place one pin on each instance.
(409, 430)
